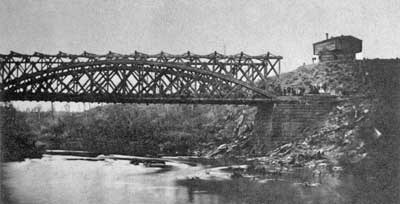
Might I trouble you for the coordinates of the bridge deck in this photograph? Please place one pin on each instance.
(169, 100)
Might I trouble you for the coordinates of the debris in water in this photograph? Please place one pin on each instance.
(378, 134)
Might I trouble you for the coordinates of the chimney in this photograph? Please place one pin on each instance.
(327, 36)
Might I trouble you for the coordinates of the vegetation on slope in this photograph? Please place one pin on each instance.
(137, 129)
(17, 138)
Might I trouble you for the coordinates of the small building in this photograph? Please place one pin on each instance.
(342, 47)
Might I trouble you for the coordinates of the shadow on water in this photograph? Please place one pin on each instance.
(274, 191)
(72, 153)
(84, 159)
(208, 162)
(161, 170)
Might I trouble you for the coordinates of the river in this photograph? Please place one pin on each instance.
(66, 179)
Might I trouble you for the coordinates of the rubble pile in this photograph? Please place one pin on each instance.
(323, 150)
(235, 136)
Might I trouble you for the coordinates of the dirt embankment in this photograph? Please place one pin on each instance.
(356, 132)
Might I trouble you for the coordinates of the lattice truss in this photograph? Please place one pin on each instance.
(136, 75)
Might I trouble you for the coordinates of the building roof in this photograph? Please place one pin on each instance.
(338, 37)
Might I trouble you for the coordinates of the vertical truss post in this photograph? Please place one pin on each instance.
(279, 68)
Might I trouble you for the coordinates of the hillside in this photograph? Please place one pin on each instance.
(358, 139)
(368, 113)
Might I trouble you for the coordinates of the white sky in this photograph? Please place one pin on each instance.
(283, 27)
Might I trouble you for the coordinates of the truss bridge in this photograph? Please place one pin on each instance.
(138, 77)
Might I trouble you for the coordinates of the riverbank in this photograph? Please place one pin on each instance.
(357, 141)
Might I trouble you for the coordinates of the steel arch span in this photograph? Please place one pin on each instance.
(137, 78)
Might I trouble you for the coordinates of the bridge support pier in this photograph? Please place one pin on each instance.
(263, 127)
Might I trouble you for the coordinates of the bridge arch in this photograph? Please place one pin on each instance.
(124, 80)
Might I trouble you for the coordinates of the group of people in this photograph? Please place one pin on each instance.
(300, 91)
(290, 91)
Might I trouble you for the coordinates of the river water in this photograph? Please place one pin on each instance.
(66, 179)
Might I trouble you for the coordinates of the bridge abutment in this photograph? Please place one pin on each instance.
(280, 123)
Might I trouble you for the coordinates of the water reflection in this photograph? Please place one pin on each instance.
(164, 169)
(61, 179)
(273, 191)
(54, 179)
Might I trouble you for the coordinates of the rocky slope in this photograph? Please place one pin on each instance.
(351, 133)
